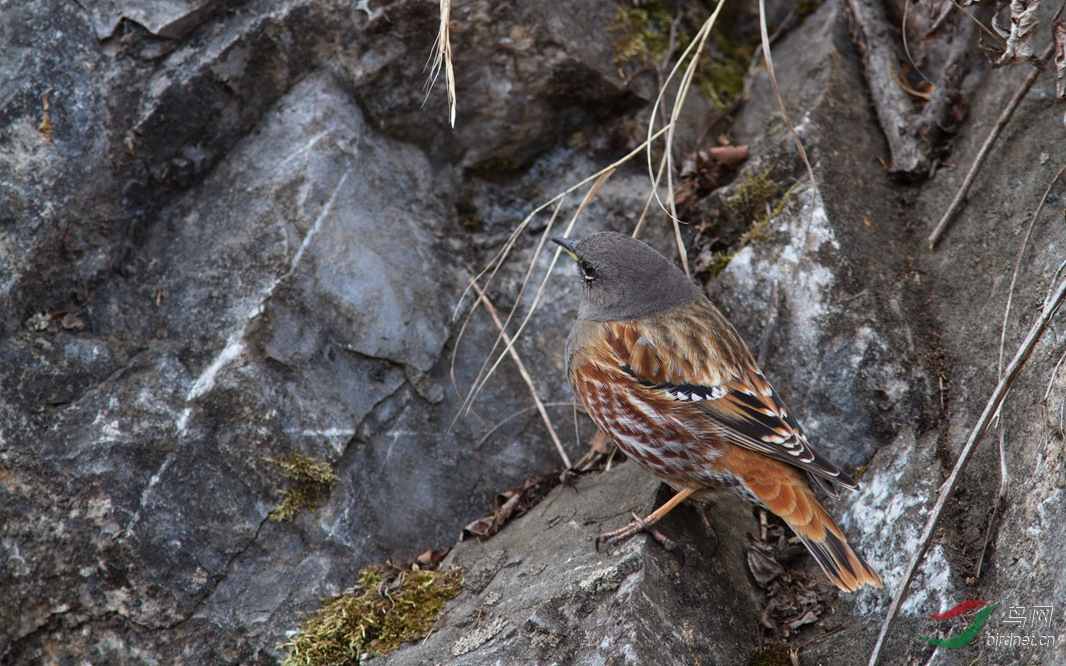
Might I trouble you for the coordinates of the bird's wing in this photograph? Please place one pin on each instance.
(754, 417)
(726, 387)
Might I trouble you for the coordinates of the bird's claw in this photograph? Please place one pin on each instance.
(708, 528)
(610, 539)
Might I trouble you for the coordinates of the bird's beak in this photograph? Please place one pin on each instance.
(570, 246)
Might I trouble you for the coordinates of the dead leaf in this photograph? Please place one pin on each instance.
(1058, 33)
(71, 322)
(1023, 23)
(810, 616)
(731, 156)
(762, 563)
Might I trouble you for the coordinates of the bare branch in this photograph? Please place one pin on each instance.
(525, 376)
(1001, 123)
(441, 57)
(948, 488)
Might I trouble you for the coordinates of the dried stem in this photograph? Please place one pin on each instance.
(1001, 123)
(771, 324)
(894, 108)
(441, 57)
(948, 488)
(603, 176)
(1001, 501)
(768, 58)
(525, 376)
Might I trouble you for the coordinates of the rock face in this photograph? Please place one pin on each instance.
(539, 593)
(229, 232)
(212, 256)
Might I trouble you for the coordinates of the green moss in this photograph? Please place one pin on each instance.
(775, 654)
(720, 76)
(311, 482)
(752, 193)
(375, 618)
(643, 37)
(752, 199)
(643, 33)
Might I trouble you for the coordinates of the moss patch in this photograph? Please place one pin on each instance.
(754, 201)
(386, 609)
(643, 33)
(720, 77)
(311, 482)
(774, 654)
(642, 37)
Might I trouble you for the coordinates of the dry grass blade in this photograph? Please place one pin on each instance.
(1001, 122)
(1054, 373)
(948, 488)
(525, 376)
(906, 47)
(990, 33)
(517, 414)
(603, 176)
(441, 58)
(495, 265)
(1018, 265)
(788, 121)
(597, 178)
(1004, 476)
(692, 56)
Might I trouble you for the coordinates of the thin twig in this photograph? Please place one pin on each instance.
(1004, 477)
(478, 381)
(1054, 373)
(906, 48)
(494, 265)
(948, 488)
(771, 324)
(1001, 123)
(768, 58)
(828, 633)
(520, 412)
(498, 261)
(441, 56)
(1001, 500)
(604, 175)
(525, 376)
(1018, 265)
(502, 255)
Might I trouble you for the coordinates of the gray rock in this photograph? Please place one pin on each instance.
(218, 262)
(538, 592)
(928, 368)
(243, 237)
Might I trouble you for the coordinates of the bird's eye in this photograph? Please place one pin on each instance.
(587, 271)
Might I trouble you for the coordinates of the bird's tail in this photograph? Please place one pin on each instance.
(796, 503)
(844, 567)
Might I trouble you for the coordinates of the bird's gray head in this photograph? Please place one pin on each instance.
(624, 278)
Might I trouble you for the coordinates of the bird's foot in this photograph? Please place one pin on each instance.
(708, 528)
(610, 539)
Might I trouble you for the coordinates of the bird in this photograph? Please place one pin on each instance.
(670, 381)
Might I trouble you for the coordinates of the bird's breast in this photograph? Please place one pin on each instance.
(659, 434)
